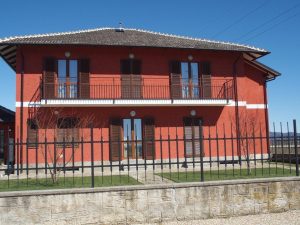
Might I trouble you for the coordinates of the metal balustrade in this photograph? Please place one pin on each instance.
(142, 88)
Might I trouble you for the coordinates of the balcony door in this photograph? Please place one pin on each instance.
(190, 80)
(67, 78)
(61, 78)
(131, 82)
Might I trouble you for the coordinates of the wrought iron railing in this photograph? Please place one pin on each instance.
(89, 161)
(142, 88)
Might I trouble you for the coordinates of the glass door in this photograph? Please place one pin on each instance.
(190, 80)
(194, 78)
(132, 137)
(67, 78)
(62, 79)
(185, 79)
(73, 78)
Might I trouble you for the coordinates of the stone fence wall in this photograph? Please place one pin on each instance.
(150, 203)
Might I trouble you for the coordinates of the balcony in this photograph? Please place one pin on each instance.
(137, 90)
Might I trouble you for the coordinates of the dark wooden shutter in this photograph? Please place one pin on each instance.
(49, 78)
(136, 66)
(60, 135)
(188, 137)
(130, 79)
(32, 133)
(115, 140)
(175, 80)
(149, 139)
(136, 81)
(206, 80)
(192, 136)
(125, 66)
(84, 79)
(67, 129)
(136, 86)
(125, 79)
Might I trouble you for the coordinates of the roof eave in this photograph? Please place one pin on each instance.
(253, 54)
(271, 74)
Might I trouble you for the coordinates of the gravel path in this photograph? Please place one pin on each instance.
(285, 218)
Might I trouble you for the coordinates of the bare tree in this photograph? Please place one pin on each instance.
(249, 126)
(52, 124)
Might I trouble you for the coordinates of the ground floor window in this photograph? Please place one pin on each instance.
(132, 138)
(67, 132)
(32, 133)
(192, 131)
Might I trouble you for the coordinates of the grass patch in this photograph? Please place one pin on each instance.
(228, 174)
(67, 182)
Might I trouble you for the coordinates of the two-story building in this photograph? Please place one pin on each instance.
(134, 87)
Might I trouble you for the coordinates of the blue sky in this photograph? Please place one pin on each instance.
(273, 25)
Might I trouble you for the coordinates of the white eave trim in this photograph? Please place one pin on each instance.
(134, 102)
(248, 106)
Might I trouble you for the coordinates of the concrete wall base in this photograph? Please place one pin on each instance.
(151, 203)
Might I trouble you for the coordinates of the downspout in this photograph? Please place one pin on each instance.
(267, 117)
(21, 110)
(237, 122)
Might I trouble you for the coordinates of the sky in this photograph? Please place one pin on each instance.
(270, 24)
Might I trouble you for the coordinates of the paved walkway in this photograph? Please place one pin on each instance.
(286, 218)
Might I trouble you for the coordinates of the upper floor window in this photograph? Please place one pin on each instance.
(67, 72)
(190, 80)
(66, 78)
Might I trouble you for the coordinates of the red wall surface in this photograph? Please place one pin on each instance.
(217, 122)
(105, 64)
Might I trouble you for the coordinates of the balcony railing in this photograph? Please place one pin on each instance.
(142, 88)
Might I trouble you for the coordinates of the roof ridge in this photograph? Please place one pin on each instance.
(131, 29)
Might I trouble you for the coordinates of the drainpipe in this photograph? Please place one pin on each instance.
(21, 110)
(237, 120)
(267, 117)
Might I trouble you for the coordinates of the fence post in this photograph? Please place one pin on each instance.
(202, 151)
(92, 157)
(296, 147)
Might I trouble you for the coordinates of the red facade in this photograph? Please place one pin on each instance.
(154, 84)
(142, 94)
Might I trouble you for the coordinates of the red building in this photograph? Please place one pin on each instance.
(133, 87)
(7, 134)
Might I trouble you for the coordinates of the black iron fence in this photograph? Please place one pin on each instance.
(205, 154)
